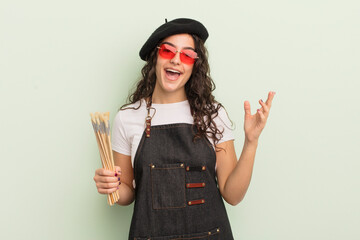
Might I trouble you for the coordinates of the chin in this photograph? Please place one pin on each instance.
(171, 85)
(169, 88)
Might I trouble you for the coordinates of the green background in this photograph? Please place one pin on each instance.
(61, 60)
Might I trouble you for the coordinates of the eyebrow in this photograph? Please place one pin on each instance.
(175, 46)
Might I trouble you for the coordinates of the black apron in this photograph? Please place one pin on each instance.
(176, 194)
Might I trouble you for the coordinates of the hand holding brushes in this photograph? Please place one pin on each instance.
(101, 125)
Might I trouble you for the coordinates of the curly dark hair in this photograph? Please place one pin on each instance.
(198, 89)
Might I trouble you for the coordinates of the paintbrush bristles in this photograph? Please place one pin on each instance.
(101, 126)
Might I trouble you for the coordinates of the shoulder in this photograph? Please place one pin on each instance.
(133, 108)
(221, 117)
(128, 125)
(223, 124)
(130, 113)
(131, 118)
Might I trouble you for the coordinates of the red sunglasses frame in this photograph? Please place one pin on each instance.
(184, 57)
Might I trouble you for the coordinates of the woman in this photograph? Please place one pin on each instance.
(173, 146)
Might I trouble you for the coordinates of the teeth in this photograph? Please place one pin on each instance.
(171, 70)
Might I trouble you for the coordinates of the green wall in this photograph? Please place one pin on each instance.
(61, 60)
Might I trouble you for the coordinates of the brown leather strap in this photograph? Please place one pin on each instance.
(195, 185)
(148, 126)
(196, 202)
(148, 118)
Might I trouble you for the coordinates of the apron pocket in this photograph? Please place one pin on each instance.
(168, 185)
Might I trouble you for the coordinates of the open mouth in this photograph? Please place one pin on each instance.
(172, 74)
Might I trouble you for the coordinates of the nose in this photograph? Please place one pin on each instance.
(176, 59)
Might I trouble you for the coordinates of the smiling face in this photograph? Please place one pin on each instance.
(172, 74)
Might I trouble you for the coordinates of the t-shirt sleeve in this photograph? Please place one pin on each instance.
(224, 124)
(120, 141)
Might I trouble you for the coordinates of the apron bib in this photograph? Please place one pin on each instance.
(176, 194)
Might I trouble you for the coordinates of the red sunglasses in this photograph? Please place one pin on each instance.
(187, 56)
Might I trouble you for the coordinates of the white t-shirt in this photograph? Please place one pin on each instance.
(129, 124)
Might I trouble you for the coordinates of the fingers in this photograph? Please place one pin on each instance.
(267, 105)
(262, 115)
(271, 95)
(247, 108)
(107, 181)
(103, 179)
(107, 185)
(105, 172)
(107, 190)
(265, 108)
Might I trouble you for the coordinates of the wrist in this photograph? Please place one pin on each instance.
(251, 142)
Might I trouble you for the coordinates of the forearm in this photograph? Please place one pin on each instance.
(238, 181)
(126, 194)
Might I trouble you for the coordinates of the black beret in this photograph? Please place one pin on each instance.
(176, 26)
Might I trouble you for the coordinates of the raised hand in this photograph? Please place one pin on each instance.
(254, 124)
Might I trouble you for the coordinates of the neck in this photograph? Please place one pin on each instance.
(161, 97)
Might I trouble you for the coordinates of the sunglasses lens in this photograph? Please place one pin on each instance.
(188, 56)
(167, 51)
